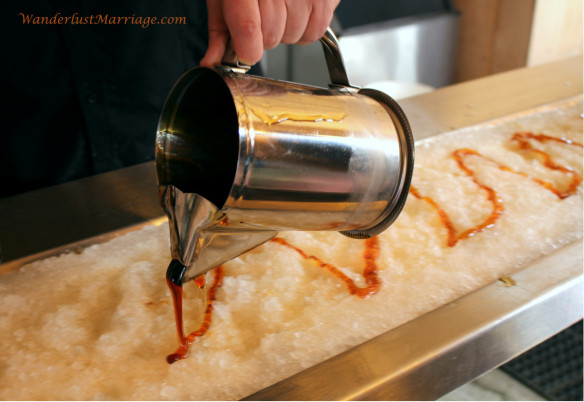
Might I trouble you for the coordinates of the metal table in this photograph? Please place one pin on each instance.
(423, 359)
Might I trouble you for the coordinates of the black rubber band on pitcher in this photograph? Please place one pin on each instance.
(406, 141)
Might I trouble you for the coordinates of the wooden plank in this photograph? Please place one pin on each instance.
(493, 36)
(512, 34)
(556, 32)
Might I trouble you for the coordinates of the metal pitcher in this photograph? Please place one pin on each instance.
(240, 158)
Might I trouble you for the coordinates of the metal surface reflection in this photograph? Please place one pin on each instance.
(269, 156)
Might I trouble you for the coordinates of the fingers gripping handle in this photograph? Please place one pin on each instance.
(332, 54)
(231, 60)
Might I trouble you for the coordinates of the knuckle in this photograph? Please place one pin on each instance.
(290, 39)
(310, 37)
(271, 41)
(248, 27)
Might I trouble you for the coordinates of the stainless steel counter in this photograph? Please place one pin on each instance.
(448, 347)
(422, 359)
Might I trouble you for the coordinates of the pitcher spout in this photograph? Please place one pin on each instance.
(201, 238)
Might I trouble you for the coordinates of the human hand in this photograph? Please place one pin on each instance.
(255, 25)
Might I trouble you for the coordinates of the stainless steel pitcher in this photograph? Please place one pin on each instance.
(241, 157)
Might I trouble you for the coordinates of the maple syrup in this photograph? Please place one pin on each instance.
(270, 119)
(522, 139)
(176, 291)
(369, 272)
(176, 270)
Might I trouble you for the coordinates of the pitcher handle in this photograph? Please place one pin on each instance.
(332, 55)
(231, 60)
(334, 59)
